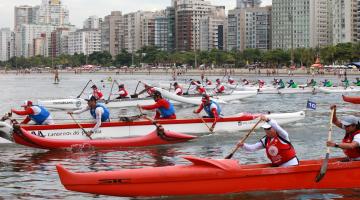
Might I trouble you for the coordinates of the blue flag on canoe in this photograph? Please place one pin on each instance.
(311, 105)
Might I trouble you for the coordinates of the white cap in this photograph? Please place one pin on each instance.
(266, 125)
(349, 120)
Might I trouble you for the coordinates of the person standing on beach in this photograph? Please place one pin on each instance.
(56, 78)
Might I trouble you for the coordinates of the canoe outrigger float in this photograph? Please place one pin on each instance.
(210, 176)
(351, 99)
(143, 127)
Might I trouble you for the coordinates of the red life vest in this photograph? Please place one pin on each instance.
(201, 90)
(180, 92)
(220, 89)
(208, 82)
(125, 93)
(278, 152)
(351, 153)
(150, 91)
(97, 94)
(231, 81)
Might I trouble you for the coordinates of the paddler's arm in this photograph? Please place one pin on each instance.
(201, 107)
(79, 111)
(282, 133)
(28, 111)
(251, 147)
(151, 107)
(98, 111)
(216, 117)
(336, 121)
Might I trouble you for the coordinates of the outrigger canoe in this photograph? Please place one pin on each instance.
(351, 99)
(120, 129)
(338, 89)
(210, 176)
(24, 137)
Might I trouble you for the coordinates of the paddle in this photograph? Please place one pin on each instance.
(135, 95)
(84, 88)
(243, 140)
(202, 119)
(112, 86)
(86, 133)
(324, 165)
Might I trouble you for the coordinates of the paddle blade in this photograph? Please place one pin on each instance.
(229, 156)
(322, 169)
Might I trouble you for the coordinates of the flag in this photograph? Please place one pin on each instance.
(311, 105)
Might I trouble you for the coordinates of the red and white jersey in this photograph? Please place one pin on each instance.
(150, 91)
(178, 91)
(231, 81)
(201, 90)
(278, 150)
(123, 93)
(220, 88)
(98, 94)
(208, 82)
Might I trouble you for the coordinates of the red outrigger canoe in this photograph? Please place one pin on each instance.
(351, 99)
(208, 176)
(23, 137)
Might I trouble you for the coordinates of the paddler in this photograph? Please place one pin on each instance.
(357, 83)
(211, 108)
(178, 89)
(208, 82)
(36, 113)
(327, 83)
(346, 83)
(276, 143)
(312, 83)
(148, 89)
(97, 93)
(123, 93)
(164, 109)
(292, 84)
(98, 111)
(281, 84)
(351, 142)
(220, 88)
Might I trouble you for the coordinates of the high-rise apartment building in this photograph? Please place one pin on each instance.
(92, 22)
(344, 21)
(247, 3)
(112, 33)
(320, 23)
(52, 12)
(249, 28)
(213, 29)
(84, 41)
(6, 44)
(165, 30)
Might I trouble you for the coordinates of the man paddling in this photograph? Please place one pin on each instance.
(38, 114)
(277, 144)
(220, 88)
(123, 93)
(357, 83)
(211, 108)
(98, 111)
(148, 89)
(178, 89)
(97, 93)
(351, 142)
(164, 109)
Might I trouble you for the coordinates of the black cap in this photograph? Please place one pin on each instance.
(94, 86)
(121, 86)
(157, 94)
(175, 84)
(92, 98)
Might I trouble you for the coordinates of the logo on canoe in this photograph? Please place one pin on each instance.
(273, 150)
(113, 181)
(78, 104)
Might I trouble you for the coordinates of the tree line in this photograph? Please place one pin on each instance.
(342, 53)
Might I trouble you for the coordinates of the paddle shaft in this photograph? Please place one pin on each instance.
(202, 119)
(137, 87)
(84, 88)
(72, 117)
(243, 140)
(323, 168)
(112, 86)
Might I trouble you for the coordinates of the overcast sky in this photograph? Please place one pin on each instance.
(81, 9)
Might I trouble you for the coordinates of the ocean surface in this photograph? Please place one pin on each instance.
(27, 173)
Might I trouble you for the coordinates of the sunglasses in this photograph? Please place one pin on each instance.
(267, 129)
(348, 125)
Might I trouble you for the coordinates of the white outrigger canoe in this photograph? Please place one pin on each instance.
(329, 90)
(196, 100)
(108, 130)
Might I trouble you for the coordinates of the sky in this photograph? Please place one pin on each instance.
(81, 9)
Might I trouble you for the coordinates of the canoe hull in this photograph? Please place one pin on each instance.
(329, 90)
(206, 176)
(23, 137)
(351, 99)
(141, 128)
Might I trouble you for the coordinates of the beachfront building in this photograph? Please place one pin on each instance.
(320, 23)
(165, 30)
(112, 33)
(247, 3)
(52, 12)
(84, 41)
(59, 41)
(188, 14)
(213, 29)
(6, 44)
(92, 22)
(249, 27)
(344, 21)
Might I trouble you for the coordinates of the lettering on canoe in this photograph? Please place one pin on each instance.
(244, 123)
(113, 181)
(62, 133)
(63, 102)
